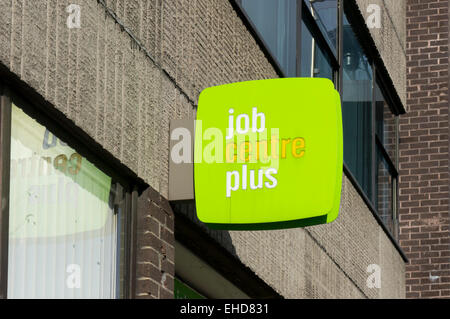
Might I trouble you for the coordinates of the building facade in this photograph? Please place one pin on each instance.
(424, 212)
(89, 89)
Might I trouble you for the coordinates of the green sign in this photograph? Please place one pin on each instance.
(183, 291)
(268, 154)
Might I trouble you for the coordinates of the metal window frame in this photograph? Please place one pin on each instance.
(12, 91)
(318, 36)
(380, 73)
(303, 14)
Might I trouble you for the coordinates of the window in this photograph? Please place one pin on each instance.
(357, 110)
(386, 154)
(326, 46)
(68, 219)
(195, 278)
(386, 124)
(182, 290)
(314, 61)
(302, 43)
(325, 13)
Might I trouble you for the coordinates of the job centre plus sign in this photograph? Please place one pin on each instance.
(268, 154)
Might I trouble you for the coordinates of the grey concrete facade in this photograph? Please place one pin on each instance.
(134, 65)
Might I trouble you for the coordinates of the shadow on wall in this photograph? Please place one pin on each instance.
(187, 209)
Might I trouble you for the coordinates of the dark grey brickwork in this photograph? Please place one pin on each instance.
(424, 155)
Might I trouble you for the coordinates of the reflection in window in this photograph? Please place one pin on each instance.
(62, 224)
(386, 124)
(314, 62)
(383, 197)
(357, 110)
(276, 22)
(325, 12)
(386, 134)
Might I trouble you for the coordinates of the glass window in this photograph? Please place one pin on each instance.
(383, 199)
(325, 12)
(65, 221)
(369, 152)
(386, 146)
(314, 62)
(357, 110)
(276, 21)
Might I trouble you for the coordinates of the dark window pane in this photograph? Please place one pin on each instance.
(317, 67)
(386, 124)
(325, 14)
(357, 111)
(384, 193)
(276, 21)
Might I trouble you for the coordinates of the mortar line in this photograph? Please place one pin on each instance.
(334, 262)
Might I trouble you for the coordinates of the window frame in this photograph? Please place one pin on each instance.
(379, 148)
(303, 14)
(12, 91)
(380, 74)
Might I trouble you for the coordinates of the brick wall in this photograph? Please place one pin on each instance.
(424, 192)
(155, 264)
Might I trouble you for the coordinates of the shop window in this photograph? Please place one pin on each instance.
(384, 193)
(357, 110)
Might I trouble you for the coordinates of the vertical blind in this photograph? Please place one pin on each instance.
(62, 228)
